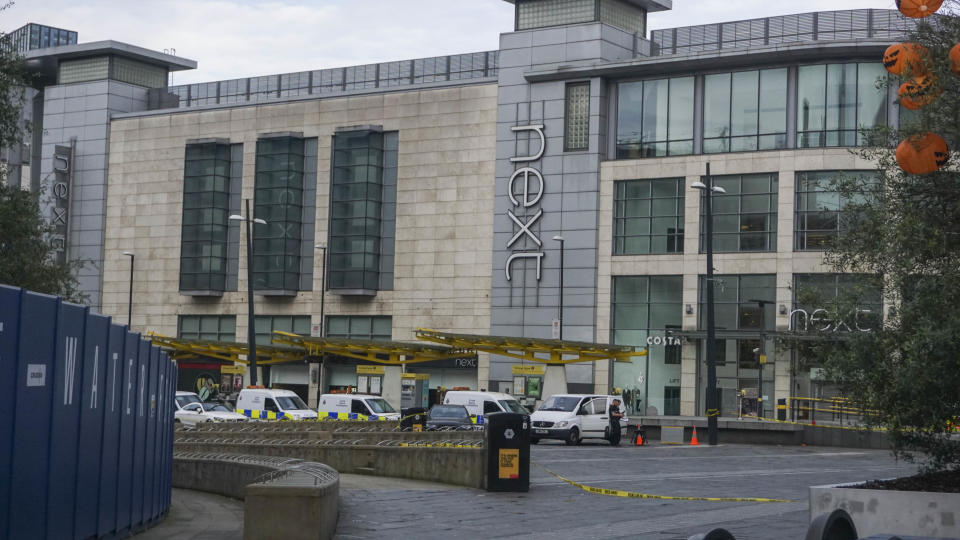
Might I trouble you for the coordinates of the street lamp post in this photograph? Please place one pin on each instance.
(713, 410)
(251, 329)
(761, 353)
(560, 239)
(130, 293)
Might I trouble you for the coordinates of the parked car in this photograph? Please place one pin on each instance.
(190, 411)
(573, 417)
(455, 416)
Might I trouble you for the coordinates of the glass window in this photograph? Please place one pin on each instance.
(542, 13)
(208, 327)
(820, 217)
(356, 210)
(648, 216)
(745, 111)
(266, 324)
(624, 16)
(577, 127)
(812, 292)
(278, 199)
(86, 69)
(360, 327)
(836, 101)
(139, 73)
(655, 118)
(206, 208)
(745, 217)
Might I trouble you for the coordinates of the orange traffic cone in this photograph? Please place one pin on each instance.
(693, 440)
(639, 441)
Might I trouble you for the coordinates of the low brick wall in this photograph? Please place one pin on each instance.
(283, 498)
(748, 431)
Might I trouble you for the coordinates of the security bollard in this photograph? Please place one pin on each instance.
(508, 452)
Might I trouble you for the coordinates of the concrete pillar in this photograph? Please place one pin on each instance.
(313, 380)
(391, 385)
(555, 381)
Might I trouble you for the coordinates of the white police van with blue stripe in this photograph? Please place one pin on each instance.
(479, 404)
(355, 407)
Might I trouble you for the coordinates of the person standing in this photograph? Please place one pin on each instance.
(615, 415)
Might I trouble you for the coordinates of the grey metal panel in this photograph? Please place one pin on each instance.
(233, 228)
(309, 221)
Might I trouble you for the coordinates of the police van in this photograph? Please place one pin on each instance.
(574, 417)
(270, 404)
(479, 404)
(355, 407)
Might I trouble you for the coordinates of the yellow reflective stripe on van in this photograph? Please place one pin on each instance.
(257, 414)
(476, 419)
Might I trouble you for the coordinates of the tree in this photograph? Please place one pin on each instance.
(906, 230)
(25, 259)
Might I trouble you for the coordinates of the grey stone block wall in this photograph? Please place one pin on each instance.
(81, 112)
(524, 305)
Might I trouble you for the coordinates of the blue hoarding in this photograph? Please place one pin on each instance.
(9, 338)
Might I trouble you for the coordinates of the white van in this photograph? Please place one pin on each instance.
(479, 404)
(573, 417)
(355, 407)
(268, 404)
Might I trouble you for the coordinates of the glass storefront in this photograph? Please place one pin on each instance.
(644, 308)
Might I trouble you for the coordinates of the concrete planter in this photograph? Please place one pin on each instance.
(877, 511)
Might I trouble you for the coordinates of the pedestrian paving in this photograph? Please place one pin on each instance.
(556, 510)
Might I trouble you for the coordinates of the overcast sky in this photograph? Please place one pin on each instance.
(241, 38)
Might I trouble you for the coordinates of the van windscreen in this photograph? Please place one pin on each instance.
(512, 405)
(291, 403)
(560, 403)
(380, 406)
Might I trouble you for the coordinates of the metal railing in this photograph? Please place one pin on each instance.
(838, 410)
(881, 24)
(340, 80)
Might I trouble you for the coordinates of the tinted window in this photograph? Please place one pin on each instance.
(270, 405)
(448, 412)
(490, 407)
(356, 406)
(380, 406)
(290, 403)
(185, 399)
(560, 403)
(512, 405)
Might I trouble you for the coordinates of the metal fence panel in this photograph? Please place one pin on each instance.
(95, 369)
(127, 426)
(140, 433)
(9, 334)
(113, 393)
(31, 451)
(150, 455)
(64, 426)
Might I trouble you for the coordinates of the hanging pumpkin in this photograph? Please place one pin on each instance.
(923, 154)
(901, 57)
(955, 59)
(918, 9)
(918, 92)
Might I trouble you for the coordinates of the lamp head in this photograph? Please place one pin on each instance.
(236, 217)
(128, 253)
(260, 221)
(698, 185)
(558, 238)
(320, 246)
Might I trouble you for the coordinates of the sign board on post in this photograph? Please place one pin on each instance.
(556, 329)
(314, 330)
(529, 370)
(239, 370)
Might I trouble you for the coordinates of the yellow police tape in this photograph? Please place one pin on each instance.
(440, 445)
(634, 495)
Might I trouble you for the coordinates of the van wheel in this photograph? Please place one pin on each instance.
(574, 437)
(534, 441)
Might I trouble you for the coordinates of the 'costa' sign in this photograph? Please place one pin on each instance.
(531, 189)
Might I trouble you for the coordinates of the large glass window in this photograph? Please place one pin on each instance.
(266, 324)
(360, 327)
(577, 126)
(644, 308)
(207, 327)
(655, 118)
(206, 206)
(745, 217)
(356, 210)
(278, 199)
(648, 217)
(815, 292)
(543, 13)
(835, 101)
(820, 216)
(745, 111)
(737, 357)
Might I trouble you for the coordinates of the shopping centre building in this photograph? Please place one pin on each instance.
(446, 191)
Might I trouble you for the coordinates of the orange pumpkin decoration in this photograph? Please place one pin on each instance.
(901, 57)
(918, 92)
(923, 154)
(955, 59)
(918, 9)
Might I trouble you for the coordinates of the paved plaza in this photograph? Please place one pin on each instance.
(373, 507)
(554, 509)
